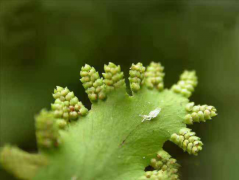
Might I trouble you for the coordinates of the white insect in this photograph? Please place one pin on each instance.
(152, 114)
(74, 178)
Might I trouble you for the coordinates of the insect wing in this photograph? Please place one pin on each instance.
(154, 113)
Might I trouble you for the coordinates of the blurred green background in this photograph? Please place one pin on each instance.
(44, 43)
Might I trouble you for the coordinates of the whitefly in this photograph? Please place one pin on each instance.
(153, 114)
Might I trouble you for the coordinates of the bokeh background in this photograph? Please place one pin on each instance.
(44, 43)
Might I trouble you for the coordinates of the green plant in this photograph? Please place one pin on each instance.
(120, 135)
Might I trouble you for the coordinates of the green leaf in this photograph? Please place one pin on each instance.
(112, 142)
(121, 134)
